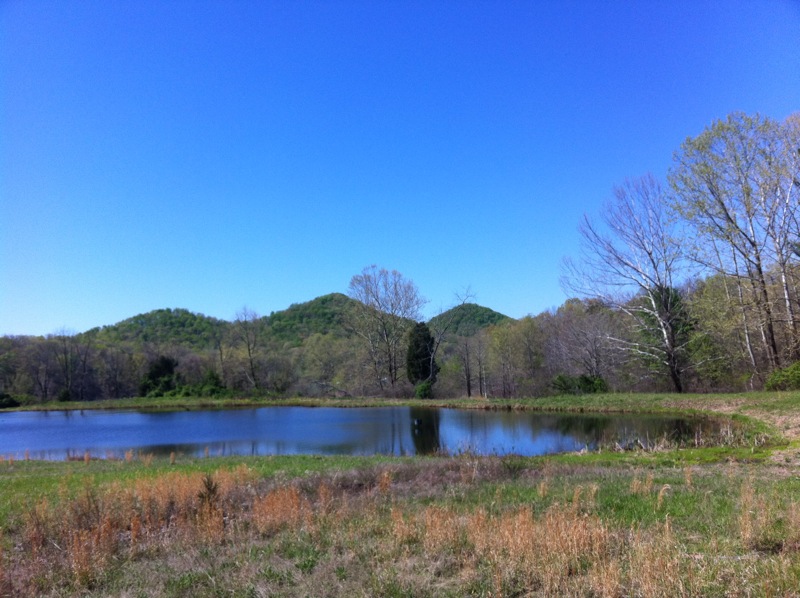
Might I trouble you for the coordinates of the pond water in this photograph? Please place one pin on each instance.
(57, 435)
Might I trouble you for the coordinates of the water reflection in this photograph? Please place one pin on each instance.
(327, 431)
(425, 430)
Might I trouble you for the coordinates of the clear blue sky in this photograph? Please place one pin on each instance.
(211, 155)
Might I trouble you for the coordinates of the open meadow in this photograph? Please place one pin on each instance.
(720, 520)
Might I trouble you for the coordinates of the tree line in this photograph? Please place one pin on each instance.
(687, 284)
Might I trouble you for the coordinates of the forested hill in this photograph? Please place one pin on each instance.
(166, 327)
(181, 327)
(468, 319)
(323, 315)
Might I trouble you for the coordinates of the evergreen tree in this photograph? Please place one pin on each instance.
(420, 363)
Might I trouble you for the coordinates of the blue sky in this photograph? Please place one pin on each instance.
(212, 155)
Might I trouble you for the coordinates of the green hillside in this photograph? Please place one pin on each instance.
(323, 315)
(166, 327)
(469, 318)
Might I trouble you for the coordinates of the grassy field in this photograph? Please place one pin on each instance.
(708, 521)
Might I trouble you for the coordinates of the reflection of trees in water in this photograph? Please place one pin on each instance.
(586, 427)
(589, 430)
(425, 430)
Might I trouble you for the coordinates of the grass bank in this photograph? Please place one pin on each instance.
(433, 526)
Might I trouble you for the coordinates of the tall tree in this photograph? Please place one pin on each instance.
(420, 361)
(388, 305)
(736, 187)
(632, 263)
(248, 332)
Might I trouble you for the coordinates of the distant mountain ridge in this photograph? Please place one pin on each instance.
(291, 327)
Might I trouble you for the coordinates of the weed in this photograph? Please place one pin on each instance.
(210, 493)
(514, 465)
(278, 509)
(687, 477)
(384, 482)
(661, 494)
(640, 487)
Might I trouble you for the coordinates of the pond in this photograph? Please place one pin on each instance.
(57, 435)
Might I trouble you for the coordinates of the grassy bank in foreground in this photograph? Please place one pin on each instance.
(576, 525)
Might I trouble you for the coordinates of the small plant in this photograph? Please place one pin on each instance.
(384, 482)
(7, 401)
(424, 390)
(787, 378)
(514, 465)
(579, 385)
(210, 493)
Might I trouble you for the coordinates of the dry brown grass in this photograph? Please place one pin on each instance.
(279, 509)
(642, 487)
(366, 533)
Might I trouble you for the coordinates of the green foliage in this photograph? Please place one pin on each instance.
(420, 364)
(166, 327)
(210, 386)
(469, 318)
(424, 390)
(160, 378)
(323, 315)
(7, 401)
(787, 378)
(579, 385)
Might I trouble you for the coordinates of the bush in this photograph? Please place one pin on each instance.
(787, 378)
(579, 385)
(160, 378)
(7, 401)
(424, 390)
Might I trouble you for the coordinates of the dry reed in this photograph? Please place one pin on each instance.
(279, 509)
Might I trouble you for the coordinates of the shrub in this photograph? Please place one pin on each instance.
(579, 385)
(7, 401)
(160, 378)
(787, 378)
(424, 390)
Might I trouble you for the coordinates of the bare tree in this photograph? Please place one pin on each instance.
(576, 337)
(247, 326)
(632, 264)
(388, 304)
(736, 186)
(443, 323)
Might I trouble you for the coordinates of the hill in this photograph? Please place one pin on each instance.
(469, 318)
(166, 327)
(323, 315)
(292, 326)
